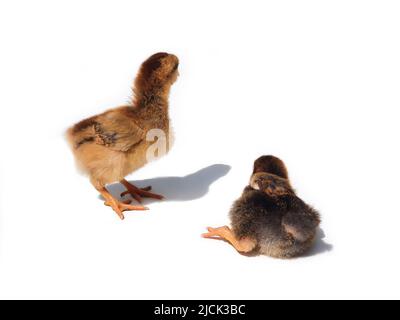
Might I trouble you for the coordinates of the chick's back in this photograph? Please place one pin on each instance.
(282, 228)
(252, 216)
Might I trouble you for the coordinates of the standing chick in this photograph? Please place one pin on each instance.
(269, 218)
(114, 144)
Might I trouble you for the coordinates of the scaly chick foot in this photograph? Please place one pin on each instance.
(120, 207)
(243, 245)
(138, 193)
(217, 233)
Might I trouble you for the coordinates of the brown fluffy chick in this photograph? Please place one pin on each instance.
(113, 144)
(269, 218)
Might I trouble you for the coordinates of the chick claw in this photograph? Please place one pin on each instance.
(120, 207)
(138, 193)
(243, 245)
(216, 233)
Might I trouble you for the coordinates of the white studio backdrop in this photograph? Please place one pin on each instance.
(313, 82)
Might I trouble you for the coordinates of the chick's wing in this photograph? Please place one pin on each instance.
(117, 131)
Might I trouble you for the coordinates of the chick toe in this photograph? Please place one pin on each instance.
(139, 193)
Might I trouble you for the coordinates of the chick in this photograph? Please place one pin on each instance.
(109, 146)
(269, 218)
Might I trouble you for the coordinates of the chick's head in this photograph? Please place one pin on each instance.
(158, 71)
(270, 184)
(271, 164)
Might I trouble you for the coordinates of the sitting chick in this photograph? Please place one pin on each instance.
(269, 218)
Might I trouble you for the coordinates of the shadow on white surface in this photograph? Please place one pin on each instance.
(320, 246)
(187, 188)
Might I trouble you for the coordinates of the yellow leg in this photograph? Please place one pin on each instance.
(244, 245)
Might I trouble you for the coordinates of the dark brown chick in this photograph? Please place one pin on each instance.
(269, 218)
(114, 144)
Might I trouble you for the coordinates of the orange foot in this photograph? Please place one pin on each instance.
(119, 207)
(222, 233)
(243, 245)
(139, 193)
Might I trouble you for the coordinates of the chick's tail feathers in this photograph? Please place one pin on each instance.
(301, 225)
(80, 134)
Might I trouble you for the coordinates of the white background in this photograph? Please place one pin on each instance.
(313, 82)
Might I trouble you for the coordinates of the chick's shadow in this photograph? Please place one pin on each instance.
(187, 188)
(320, 245)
